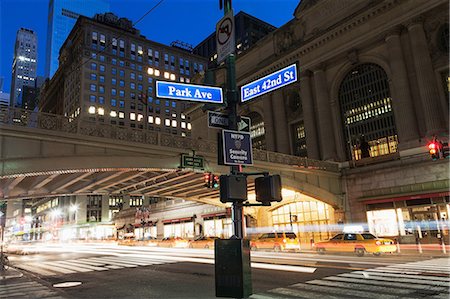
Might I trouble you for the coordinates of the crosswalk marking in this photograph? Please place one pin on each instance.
(79, 265)
(420, 279)
(29, 289)
(99, 263)
(386, 283)
(404, 280)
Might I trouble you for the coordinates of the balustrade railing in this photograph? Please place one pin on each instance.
(60, 123)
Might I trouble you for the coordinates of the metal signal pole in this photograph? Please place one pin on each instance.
(232, 107)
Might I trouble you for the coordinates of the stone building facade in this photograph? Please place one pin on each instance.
(369, 71)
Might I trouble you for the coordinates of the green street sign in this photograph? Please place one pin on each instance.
(191, 161)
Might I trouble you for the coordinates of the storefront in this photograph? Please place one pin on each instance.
(217, 225)
(182, 227)
(406, 218)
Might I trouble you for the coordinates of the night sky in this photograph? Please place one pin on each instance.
(190, 21)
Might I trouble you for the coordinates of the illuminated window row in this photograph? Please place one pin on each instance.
(139, 117)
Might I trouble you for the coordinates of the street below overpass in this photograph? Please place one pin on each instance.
(107, 270)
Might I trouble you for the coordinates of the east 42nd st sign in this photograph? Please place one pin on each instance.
(269, 83)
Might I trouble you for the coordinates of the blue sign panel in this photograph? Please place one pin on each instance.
(269, 83)
(189, 92)
(237, 148)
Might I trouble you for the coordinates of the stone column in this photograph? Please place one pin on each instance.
(426, 79)
(405, 118)
(268, 123)
(312, 143)
(339, 136)
(280, 123)
(326, 133)
(81, 202)
(105, 208)
(126, 202)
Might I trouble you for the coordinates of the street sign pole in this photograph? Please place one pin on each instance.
(232, 103)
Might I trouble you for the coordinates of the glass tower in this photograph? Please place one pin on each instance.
(24, 63)
(62, 15)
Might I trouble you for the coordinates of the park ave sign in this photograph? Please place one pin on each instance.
(189, 92)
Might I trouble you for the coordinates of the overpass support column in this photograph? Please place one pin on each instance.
(82, 203)
(105, 208)
(263, 217)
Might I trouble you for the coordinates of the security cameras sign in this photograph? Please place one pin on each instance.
(237, 148)
(269, 83)
(225, 39)
(189, 92)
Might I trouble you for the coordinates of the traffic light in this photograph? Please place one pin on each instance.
(433, 148)
(215, 181)
(207, 179)
(445, 150)
(268, 188)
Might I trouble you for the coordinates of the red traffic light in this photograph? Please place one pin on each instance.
(433, 147)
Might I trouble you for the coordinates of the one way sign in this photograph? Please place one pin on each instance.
(220, 120)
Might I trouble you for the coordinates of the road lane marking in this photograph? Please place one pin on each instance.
(283, 268)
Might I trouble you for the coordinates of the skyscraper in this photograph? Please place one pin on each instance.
(24, 63)
(62, 15)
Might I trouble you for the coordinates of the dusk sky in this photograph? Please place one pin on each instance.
(190, 21)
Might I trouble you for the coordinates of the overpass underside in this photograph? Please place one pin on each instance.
(44, 155)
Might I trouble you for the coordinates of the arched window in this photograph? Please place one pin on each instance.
(257, 131)
(366, 109)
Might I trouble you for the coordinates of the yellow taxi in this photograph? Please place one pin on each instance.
(171, 242)
(277, 241)
(203, 242)
(359, 243)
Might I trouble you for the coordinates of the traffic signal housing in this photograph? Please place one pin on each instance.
(433, 149)
(268, 188)
(207, 179)
(445, 150)
(233, 188)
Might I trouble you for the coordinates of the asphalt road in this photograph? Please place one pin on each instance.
(111, 271)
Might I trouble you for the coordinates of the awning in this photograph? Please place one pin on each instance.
(177, 220)
(373, 200)
(212, 215)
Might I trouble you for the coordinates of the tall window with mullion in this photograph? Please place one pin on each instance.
(366, 109)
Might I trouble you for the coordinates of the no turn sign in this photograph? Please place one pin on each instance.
(225, 36)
